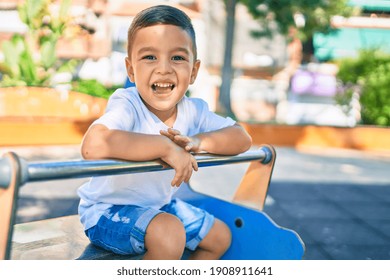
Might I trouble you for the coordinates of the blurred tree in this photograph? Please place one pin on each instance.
(276, 16)
(30, 59)
(224, 105)
(369, 82)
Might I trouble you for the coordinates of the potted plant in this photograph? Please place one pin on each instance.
(30, 89)
(30, 58)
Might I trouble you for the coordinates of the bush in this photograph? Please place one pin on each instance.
(30, 59)
(368, 75)
(94, 88)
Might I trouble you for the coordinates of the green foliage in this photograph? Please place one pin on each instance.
(94, 88)
(30, 59)
(369, 72)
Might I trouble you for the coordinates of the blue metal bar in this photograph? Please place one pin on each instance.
(41, 171)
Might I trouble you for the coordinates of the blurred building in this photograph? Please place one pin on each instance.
(102, 45)
(369, 30)
(261, 91)
(311, 95)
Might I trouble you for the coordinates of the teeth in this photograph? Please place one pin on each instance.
(163, 85)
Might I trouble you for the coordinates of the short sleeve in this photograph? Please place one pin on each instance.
(208, 120)
(120, 112)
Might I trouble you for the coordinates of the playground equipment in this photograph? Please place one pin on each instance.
(255, 234)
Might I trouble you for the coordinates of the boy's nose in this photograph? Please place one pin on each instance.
(164, 66)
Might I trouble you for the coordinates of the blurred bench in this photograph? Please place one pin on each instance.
(255, 235)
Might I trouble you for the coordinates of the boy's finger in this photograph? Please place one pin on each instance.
(174, 182)
(174, 131)
(182, 138)
(166, 134)
(188, 176)
(194, 164)
(177, 180)
(189, 146)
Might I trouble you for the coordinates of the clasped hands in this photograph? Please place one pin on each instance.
(179, 157)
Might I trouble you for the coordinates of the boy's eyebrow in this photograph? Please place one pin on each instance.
(151, 49)
(185, 50)
(146, 49)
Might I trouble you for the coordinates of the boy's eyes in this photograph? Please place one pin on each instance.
(178, 57)
(149, 57)
(175, 57)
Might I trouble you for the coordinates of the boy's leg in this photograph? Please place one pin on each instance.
(215, 243)
(127, 229)
(206, 236)
(165, 238)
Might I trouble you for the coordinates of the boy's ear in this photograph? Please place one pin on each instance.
(195, 70)
(129, 69)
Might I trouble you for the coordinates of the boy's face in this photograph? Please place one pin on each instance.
(162, 66)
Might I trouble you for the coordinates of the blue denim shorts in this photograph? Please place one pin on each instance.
(122, 228)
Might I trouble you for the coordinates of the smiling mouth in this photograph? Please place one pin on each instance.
(162, 87)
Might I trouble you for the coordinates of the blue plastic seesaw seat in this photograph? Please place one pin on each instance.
(255, 236)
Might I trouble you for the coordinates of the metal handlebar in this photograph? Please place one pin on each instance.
(40, 171)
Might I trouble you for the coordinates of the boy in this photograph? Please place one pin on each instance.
(135, 214)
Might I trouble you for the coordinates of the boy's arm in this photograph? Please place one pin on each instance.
(230, 140)
(100, 142)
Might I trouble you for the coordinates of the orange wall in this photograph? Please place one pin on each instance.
(360, 138)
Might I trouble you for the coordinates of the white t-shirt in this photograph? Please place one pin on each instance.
(126, 111)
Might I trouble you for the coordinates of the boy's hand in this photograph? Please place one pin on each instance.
(190, 144)
(183, 163)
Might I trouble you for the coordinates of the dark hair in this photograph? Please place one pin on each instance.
(161, 14)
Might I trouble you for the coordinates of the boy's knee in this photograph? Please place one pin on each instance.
(166, 232)
(225, 237)
(218, 240)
